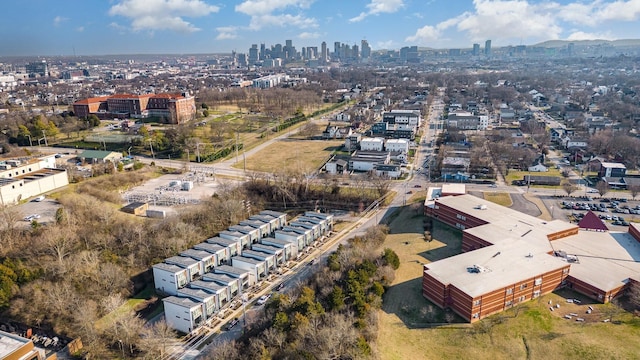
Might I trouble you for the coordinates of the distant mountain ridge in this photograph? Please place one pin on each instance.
(563, 43)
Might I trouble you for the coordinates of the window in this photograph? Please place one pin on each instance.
(509, 291)
(565, 271)
(476, 315)
(477, 302)
(508, 303)
(460, 226)
(461, 217)
(523, 286)
(538, 281)
(536, 294)
(522, 298)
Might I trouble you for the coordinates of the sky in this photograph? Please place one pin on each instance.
(100, 27)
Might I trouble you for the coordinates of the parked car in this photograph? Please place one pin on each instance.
(39, 198)
(280, 286)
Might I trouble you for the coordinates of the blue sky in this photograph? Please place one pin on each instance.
(95, 27)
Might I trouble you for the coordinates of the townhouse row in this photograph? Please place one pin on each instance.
(203, 280)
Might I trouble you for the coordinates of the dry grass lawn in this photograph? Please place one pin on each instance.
(500, 198)
(291, 155)
(529, 331)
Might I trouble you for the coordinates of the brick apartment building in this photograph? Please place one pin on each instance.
(510, 257)
(168, 108)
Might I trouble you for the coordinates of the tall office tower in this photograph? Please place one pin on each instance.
(336, 49)
(276, 51)
(476, 50)
(365, 50)
(355, 52)
(570, 49)
(312, 52)
(487, 48)
(253, 54)
(263, 51)
(324, 56)
(289, 51)
(303, 53)
(37, 68)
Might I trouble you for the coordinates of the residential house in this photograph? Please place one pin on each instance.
(183, 313)
(290, 242)
(299, 237)
(303, 223)
(193, 266)
(209, 299)
(222, 255)
(397, 145)
(391, 171)
(280, 254)
(330, 219)
(233, 284)
(280, 216)
(169, 278)
(270, 220)
(538, 168)
(243, 238)
(231, 271)
(234, 245)
(263, 227)
(222, 290)
(336, 166)
(352, 142)
(269, 259)
(208, 260)
(372, 144)
(254, 234)
(257, 269)
(366, 160)
(612, 169)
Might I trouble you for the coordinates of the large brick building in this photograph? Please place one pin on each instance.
(168, 108)
(510, 257)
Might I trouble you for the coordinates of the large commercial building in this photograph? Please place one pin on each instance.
(26, 178)
(168, 108)
(510, 257)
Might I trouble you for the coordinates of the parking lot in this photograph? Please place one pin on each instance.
(45, 211)
(616, 213)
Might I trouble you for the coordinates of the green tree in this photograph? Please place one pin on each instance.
(391, 258)
(93, 120)
(52, 130)
(336, 298)
(205, 113)
(281, 321)
(7, 284)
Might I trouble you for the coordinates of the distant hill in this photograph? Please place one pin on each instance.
(564, 43)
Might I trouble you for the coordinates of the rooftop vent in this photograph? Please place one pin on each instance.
(477, 269)
(481, 207)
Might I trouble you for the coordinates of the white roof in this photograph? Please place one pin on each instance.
(613, 165)
(606, 259)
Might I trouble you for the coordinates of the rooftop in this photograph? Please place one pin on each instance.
(10, 343)
(210, 285)
(182, 301)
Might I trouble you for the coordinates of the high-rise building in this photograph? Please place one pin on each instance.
(253, 54)
(324, 55)
(487, 48)
(476, 50)
(336, 49)
(263, 51)
(365, 50)
(37, 68)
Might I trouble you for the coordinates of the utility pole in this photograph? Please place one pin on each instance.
(198, 151)
(237, 139)
(44, 135)
(151, 147)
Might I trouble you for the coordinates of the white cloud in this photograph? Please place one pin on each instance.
(376, 7)
(268, 13)
(309, 35)
(260, 7)
(59, 20)
(162, 14)
(580, 35)
(227, 33)
(389, 44)
(80, 29)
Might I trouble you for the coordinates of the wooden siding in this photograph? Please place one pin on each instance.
(562, 234)
(593, 292)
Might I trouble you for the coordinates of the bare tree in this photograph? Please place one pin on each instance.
(157, 338)
(602, 187)
(634, 190)
(568, 187)
(633, 292)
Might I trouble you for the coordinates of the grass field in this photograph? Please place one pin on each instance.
(291, 155)
(519, 175)
(529, 331)
(500, 198)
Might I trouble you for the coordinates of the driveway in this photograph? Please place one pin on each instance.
(523, 205)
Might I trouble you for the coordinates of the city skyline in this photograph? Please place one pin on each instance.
(32, 27)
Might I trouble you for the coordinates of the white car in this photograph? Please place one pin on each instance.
(263, 299)
(32, 217)
(592, 191)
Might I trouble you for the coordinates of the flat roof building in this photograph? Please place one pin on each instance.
(510, 257)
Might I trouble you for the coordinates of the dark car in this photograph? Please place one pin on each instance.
(232, 323)
(280, 286)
